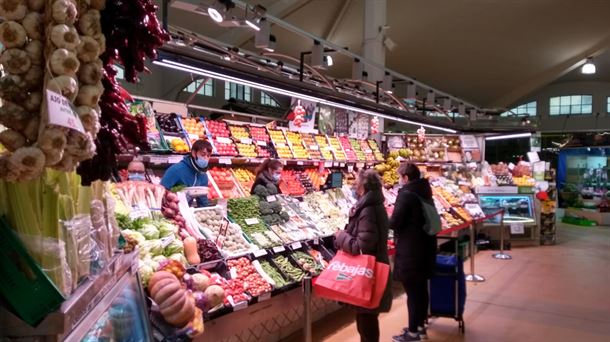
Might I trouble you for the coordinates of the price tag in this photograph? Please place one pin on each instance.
(255, 161)
(296, 245)
(224, 140)
(261, 143)
(271, 198)
(252, 221)
(335, 164)
(517, 228)
(233, 272)
(259, 253)
(139, 213)
(328, 164)
(226, 161)
(240, 306)
(350, 168)
(174, 159)
(300, 163)
(511, 166)
(246, 141)
(284, 162)
(316, 241)
(314, 147)
(265, 296)
(62, 112)
(360, 165)
(157, 160)
(328, 148)
(167, 240)
(342, 165)
(278, 249)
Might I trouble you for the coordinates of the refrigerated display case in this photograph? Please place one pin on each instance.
(521, 217)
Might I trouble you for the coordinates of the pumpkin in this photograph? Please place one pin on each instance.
(176, 304)
(190, 250)
(157, 276)
(180, 315)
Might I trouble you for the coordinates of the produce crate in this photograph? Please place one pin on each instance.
(23, 284)
(315, 267)
(278, 289)
(288, 255)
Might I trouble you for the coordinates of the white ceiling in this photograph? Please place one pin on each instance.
(490, 52)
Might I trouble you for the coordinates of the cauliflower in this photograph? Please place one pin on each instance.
(149, 231)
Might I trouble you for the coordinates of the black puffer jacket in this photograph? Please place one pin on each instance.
(415, 249)
(265, 180)
(367, 233)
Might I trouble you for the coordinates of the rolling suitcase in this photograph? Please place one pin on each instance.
(448, 289)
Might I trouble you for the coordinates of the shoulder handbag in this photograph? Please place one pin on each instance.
(432, 224)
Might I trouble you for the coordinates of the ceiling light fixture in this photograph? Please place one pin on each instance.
(328, 60)
(217, 10)
(509, 136)
(588, 68)
(386, 84)
(357, 69)
(271, 45)
(190, 69)
(253, 24)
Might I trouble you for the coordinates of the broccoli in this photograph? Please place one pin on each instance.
(266, 208)
(261, 191)
(284, 215)
(268, 219)
(275, 207)
(276, 219)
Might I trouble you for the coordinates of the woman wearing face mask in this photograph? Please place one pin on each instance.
(367, 233)
(191, 171)
(136, 171)
(268, 175)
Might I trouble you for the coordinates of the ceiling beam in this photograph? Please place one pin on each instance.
(330, 33)
(550, 75)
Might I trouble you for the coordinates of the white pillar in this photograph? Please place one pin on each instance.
(372, 45)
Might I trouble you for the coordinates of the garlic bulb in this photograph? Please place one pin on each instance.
(13, 116)
(64, 36)
(27, 159)
(96, 4)
(90, 24)
(33, 25)
(101, 41)
(88, 50)
(52, 141)
(13, 9)
(64, 62)
(31, 130)
(12, 139)
(91, 73)
(12, 34)
(90, 119)
(89, 95)
(11, 88)
(36, 5)
(80, 146)
(34, 51)
(66, 163)
(15, 61)
(64, 12)
(65, 85)
(33, 78)
(33, 102)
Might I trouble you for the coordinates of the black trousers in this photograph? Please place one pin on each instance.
(417, 301)
(368, 327)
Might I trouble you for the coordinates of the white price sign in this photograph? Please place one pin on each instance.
(328, 164)
(247, 141)
(278, 249)
(265, 296)
(223, 140)
(252, 221)
(296, 245)
(282, 145)
(517, 228)
(226, 161)
(314, 147)
(259, 253)
(157, 160)
(261, 143)
(62, 113)
(360, 165)
(299, 163)
(271, 198)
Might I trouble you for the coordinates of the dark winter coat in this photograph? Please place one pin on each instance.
(263, 178)
(367, 233)
(415, 249)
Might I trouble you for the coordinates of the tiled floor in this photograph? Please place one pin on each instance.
(548, 293)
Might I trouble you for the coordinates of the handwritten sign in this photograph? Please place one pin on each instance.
(517, 228)
(296, 245)
(252, 221)
(259, 253)
(278, 249)
(62, 112)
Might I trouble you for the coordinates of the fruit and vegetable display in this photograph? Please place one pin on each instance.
(217, 129)
(298, 150)
(350, 154)
(224, 147)
(290, 184)
(368, 152)
(245, 178)
(376, 150)
(245, 212)
(270, 209)
(194, 126)
(290, 270)
(239, 133)
(389, 169)
(274, 274)
(259, 134)
(316, 177)
(281, 144)
(252, 280)
(417, 147)
(169, 123)
(307, 262)
(312, 147)
(336, 148)
(207, 250)
(223, 179)
(177, 145)
(248, 150)
(357, 148)
(228, 235)
(325, 148)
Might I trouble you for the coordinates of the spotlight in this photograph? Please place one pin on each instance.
(357, 69)
(317, 54)
(386, 84)
(328, 60)
(525, 121)
(588, 68)
(217, 10)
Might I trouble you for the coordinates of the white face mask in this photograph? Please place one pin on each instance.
(401, 181)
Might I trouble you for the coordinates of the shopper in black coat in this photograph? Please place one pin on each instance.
(367, 233)
(268, 175)
(415, 249)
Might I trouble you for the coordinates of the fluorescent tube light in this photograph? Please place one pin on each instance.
(253, 25)
(509, 136)
(190, 69)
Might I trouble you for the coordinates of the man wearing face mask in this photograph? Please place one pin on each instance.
(268, 175)
(191, 171)
(136, 171)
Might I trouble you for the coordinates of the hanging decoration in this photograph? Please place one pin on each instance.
(421, 134)
(374, 125)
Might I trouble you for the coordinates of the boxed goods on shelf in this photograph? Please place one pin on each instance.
(245, 178)
(324, 146)
(289, 184)
(376, 151)
(298, 150)
(217, 228)
(254, 283)
(217, 129)
(281, 144)
(259, 134)
(336, 148)
(224, 181)
(350, 154)
(312, 146)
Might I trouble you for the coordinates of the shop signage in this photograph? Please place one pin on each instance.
(62, 113)
(498, 190)
(259, 253)
(517, 228)
(469, 142)
(278, 249)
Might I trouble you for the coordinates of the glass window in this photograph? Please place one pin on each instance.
(526, 109)
(267, 100)
(206, 90)
(608, 104)
(237, 91)
(573, 104)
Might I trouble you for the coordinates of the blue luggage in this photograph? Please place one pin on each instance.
(448, 289)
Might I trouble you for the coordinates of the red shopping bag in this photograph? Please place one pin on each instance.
(348, 279)
(382, 274)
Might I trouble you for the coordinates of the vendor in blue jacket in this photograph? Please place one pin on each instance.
(191, 171)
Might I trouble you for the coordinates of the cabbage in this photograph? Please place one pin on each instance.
(145, 271)
(174, 247)
(149, 231)
(151, 248)
(140, 239)
(165, 229)
(159, 259)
